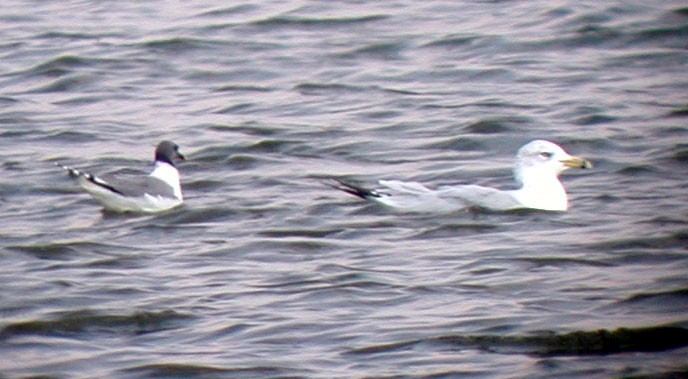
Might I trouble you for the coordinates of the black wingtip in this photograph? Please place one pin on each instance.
(71, 171)
(74, 173)
(352, 189)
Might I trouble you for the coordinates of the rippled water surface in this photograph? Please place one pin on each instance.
(267, 272)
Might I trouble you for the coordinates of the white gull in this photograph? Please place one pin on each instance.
(537, 168)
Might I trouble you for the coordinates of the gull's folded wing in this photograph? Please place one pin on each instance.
(480, 196)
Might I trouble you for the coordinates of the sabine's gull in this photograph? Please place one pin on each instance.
(156, 192)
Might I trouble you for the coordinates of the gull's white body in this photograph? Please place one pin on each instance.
(168, 174)
(537, 169)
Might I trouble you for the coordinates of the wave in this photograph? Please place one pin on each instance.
(89, 322)
(597, 342)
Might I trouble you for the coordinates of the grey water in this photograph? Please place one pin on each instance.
(266, 272)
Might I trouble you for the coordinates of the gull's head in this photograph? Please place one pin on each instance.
(167, 151)
(543, 159)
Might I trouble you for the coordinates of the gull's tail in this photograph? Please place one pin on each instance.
(76, 174)
(353, 189)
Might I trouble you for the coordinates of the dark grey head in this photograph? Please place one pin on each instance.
(167, 151)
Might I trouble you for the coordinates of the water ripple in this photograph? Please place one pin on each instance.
(89, 322)
(601, 342)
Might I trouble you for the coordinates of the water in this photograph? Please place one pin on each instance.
(266, 272)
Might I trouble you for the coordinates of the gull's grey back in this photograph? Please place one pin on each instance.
(140, 186)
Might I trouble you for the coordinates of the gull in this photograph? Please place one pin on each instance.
(537, 168)
(159, 191)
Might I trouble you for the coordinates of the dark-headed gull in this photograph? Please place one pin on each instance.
(156, 192)
(537, 169)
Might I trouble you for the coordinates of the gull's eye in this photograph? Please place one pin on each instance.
(546, 155)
